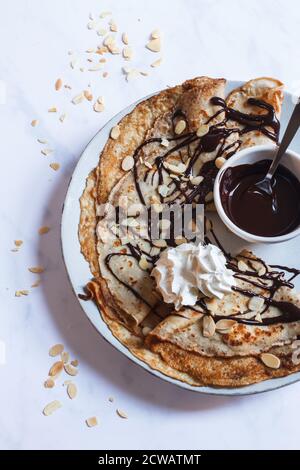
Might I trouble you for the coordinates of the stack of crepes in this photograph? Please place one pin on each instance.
(189, 344)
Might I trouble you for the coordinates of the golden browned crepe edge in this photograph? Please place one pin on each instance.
(233, 372)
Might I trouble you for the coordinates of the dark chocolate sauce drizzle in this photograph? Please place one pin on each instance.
(216, 140)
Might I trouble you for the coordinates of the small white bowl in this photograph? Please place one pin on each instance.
(291, 160)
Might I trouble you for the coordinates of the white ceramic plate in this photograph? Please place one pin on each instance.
(285, 254)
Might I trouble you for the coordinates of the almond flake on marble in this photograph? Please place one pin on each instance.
(44, 229)
(72, 390)
(56, 349)
(36, 269)
(270, 360)
(180, 127)
(122, 414)
(35, 122)
(51, 407)
(156, 63)
(115, 132)
(125, 38)
(55, 166)
(127, 163)
(70, 369)
(91, 422)
(154, 45)
(209, 326)
(56, 368)
(20, 293)
(58, 84)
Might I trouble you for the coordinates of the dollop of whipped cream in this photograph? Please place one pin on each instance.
(182, 273)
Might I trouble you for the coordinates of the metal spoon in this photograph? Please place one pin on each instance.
(265, 186)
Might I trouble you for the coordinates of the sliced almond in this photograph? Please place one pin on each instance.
(46, 152)
(115, 132)
(56, 349)
(18, 243)
(36, 283)
(143, 264)
(91, 422)
(127, 163)
(256, 304)
(202, 130)
(155, 34)
(78, 98)
(242, 266)
(55, 166)
(52, 110)
(164, 142)
(113, 26)
(125, 38)
(219, 162)
(154, 45)
(196, 180)
(127, 52)
(65, 356)
(36, 269)
(70, 369)
(180, 127)
(88, 95)
(42, 141)
(111, 399)
(51, 407)
(159, 243)
(225, 325)
(62, 117)
(20, 293)
(156, 63)
(176, 169)
(56, 368)
(163, 190)
(148, 165)
(75, 362)
(122, 414)
(209, 326)
(95, 68)
(58, 84)
(102, 32)
(44, 229)
(98, 107)
(157, 207)
(35, 122)
(49, 383)
(72, 390)
(270, 360)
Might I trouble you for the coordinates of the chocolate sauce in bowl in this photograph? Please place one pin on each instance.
(253, 210)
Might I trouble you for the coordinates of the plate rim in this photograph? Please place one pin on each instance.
(91, 310)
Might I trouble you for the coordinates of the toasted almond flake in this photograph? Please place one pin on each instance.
(111, 399)
(58, 84)
(20, 293)
(148, 165)
(143, 264)
(270, 360)
(159, 243)
(35, 122)
(219, 162)
(36, 269)
(102, 60)
(56, 368)
(75, 362)
(125, 38)
(225, 324)
(44, 229)
(156, 63)
(88, 95)
(62, 117)
(180, 240)
(78, 98)
(112, 26)
(104, 14)
(91, 422)
(49, 383)
(154, 45)
(256, 303)
(115, 132)
(71, 390)
(56, 349)
(51, 407)
(98, 107)
(18, 242)
(122, 414)
(55, 166)
(242, 266)
(163, 190)
(202, 130)
(180, 127)
(36, 283)
(42, 141)
(52, 110)
(196, 180)
(164, 142)
(46, 152)
(127, 163)
(209, 326)
(65, 356)
(105, 74)
(70, 369)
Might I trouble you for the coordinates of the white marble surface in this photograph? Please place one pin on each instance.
(235, 39)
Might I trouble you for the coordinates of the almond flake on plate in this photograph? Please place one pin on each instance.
(75, 362)
(36, 283)
(49, 383)
(42, 141)
(70, 369)
(155, 34)
(46, 152)
(71, 390)
(56, 349)
(180, 240)
(65, 356)
(52, 110)
(91, 422)
(256, 303)
(56, 368)
(36, 269)
(62, 117)
(51, 407)
(18, 242)
(125, 38)
(102, 32)
(156, 63)
(242, 266)
(225, 325)
(270, 360)
(44, 229)
(115, 132)
(127, 52)
(122, 414)
(20, 293)
(88, 95)
(58, 84)
(113, 26)
(154, 45)
(78, 98)
(55, 166)
(98, 107)
(95, 68)
(35, 122)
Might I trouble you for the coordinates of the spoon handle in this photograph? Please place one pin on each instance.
(290, 131)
